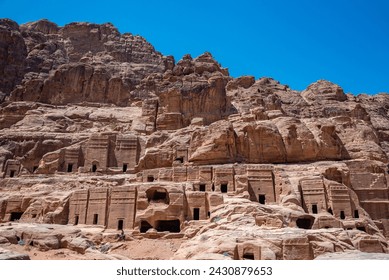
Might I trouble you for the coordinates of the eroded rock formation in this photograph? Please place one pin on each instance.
(100, 133)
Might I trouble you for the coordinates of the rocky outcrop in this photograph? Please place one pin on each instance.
(13, 54)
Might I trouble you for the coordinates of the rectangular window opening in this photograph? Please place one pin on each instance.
(196, 213)
(314, 208)
(120, 224)
(150, 178)
(125, 166)
(95, 219)
(76, 218)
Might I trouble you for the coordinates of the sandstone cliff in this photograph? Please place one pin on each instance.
(99, 133)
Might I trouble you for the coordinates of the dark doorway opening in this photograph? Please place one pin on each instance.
(34, 168)
(196, 213)
(362, 228)
(314, 208)
(120, 224)
(70, 167)
(209, 214)
(16, 216)
(202, 187)
(356, 214)
(224, 188)
(12, 173)
(170, 225)
(180, 159)
(76, 218)
(150, 178)
(125, 166)
(330, 211)
(95, 219)
(342, 215)
(304, 223)
(262, 199)
(248, 256)
(213, 187)
(144, 226)
(94, 168)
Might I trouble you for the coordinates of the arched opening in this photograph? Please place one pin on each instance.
(15, 216)
(196, 213)
(304, 222)
(213, 187)
(144, 226)
(120, 224)
(342, 215)
(262, 199)
(169, 225)
(94, 167)
(157, 195)
(209, 214)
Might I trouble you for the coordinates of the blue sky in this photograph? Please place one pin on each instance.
(295, 42)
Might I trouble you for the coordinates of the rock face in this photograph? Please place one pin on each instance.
(104, 139)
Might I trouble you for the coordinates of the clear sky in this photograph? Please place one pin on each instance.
(295, 42)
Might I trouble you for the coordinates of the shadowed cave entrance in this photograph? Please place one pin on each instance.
(169, 225)
(157, 195)
(16, 216)
(248, 255)
(144, 226)
(305, 222)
